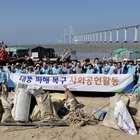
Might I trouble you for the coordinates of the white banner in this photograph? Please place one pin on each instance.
(78, 82)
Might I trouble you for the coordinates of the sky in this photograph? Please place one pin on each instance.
(44, 21)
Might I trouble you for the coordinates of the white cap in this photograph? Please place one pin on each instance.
(125, 59)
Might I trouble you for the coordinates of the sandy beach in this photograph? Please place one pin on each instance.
(88, 132)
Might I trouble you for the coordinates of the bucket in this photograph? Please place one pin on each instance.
(21, 106)
(100, 114)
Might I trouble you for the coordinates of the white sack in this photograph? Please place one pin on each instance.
(20, 111)
(35, 89)
(123, 119)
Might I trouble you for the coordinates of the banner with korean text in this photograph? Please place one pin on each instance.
(78, 82)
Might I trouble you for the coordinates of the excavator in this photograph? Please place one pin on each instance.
(68, 55)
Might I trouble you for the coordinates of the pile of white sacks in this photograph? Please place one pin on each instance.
(123, 113)
(16, 106)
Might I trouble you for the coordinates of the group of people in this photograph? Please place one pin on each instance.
(74, 67)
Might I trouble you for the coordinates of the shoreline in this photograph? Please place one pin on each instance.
(88, 50)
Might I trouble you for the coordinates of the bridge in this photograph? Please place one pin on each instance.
(99, 36)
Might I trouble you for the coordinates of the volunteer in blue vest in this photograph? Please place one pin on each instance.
(18, 68)
(110, 68)
(30, 70)
(45, 68)
(8, 73)
(56, 69)
(3, 78)
(37, 69)
(100, 68)
(90, 69)
(131, 67)
(132, 70)
(6, 68)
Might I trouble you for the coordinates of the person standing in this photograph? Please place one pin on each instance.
(9, 83)
(18, 68)
(74, 65)
(67, 68)
(131, 67)
(110, 68)
(125, 66)
(84, 66)
(78, 68)
(95, 62)
(55, 69)
(3, 78)
(132, 70)
(90, 69)
(118, 69)
(37, 69)
(100, 68)
(138, 65)
(30, 70)
(45, 69)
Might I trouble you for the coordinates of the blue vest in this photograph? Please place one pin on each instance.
(2, 76)
(131, 69)
(110, 69)
(8, 73)
(28, 72)
(37, 71)
(45, 70)
(18, 70)
(74, 67)
(90, 71)
(5, 69)
(56, 70)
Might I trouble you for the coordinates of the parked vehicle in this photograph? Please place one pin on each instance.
(122, 53)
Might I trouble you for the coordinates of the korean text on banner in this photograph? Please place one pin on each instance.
(78, 82)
